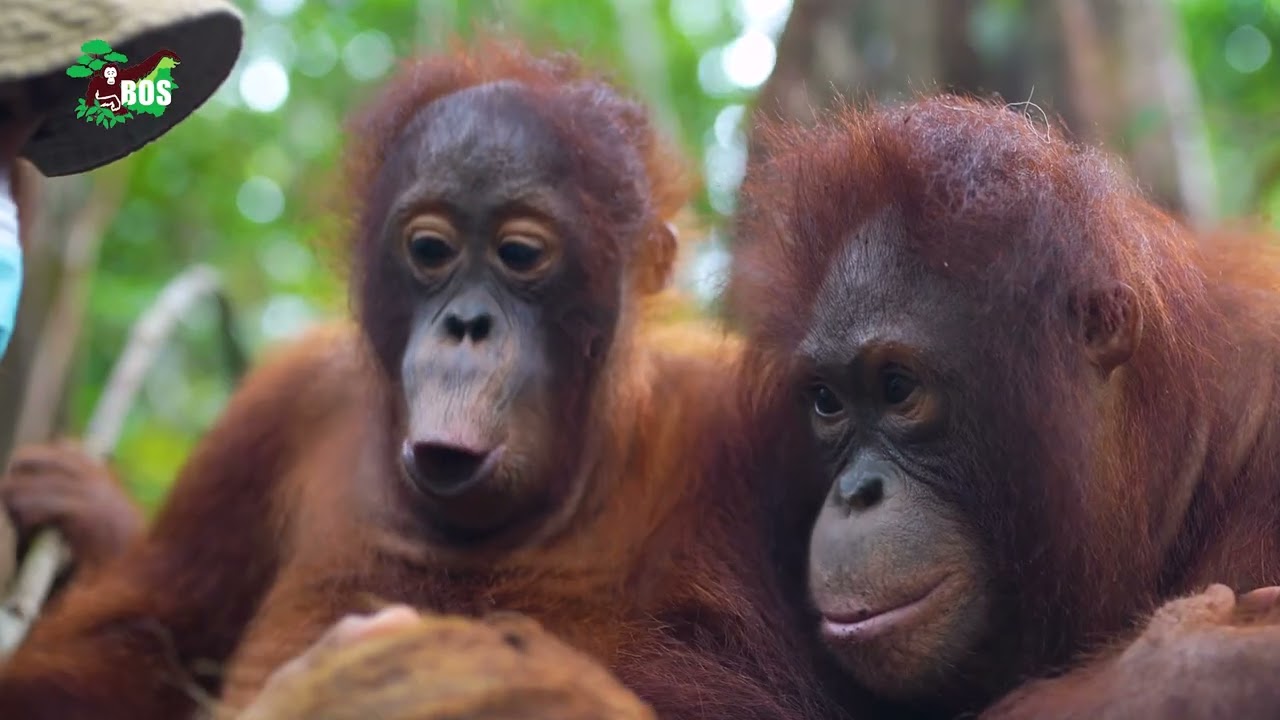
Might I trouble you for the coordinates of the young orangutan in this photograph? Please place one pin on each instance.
(499, 435)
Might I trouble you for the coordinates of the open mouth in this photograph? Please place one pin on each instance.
(861, 625)
(446, 471)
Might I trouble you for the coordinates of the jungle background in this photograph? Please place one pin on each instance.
(1186, 91)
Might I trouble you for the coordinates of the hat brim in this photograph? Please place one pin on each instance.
(208, 46)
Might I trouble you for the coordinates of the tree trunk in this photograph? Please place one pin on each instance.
(1111, 71)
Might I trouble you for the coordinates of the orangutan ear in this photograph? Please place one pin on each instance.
(657, 259)
(1111, 326)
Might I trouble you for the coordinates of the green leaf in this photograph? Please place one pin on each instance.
(80, 102)
(97, 65)
(115, 57)
(79, 71)
(84, 59)
(80, 111)
(96, 47)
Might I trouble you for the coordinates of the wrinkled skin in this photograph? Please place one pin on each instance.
(896, 569)
(488, 252)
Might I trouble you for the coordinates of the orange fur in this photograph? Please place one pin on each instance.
(1097, 496)
(662, 580)
(663, 533)
(663, 564)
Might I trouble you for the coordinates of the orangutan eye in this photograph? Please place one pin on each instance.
(520, 255)
(430, 242)
(897, 387)
(430, 251)
(527, 247)
(825, 402)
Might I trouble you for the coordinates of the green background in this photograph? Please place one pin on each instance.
(244, 183)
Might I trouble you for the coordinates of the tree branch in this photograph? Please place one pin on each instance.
(48, 552)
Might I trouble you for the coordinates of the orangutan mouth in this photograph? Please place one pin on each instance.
(865, 624)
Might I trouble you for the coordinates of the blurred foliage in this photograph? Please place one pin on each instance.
(1233, 47)
(245, 183)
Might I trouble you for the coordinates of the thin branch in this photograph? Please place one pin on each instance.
(8, 548)
(146, 340)
(47, 556)
(56, 346)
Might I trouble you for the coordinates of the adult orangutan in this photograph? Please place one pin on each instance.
(499, 435)
(1045, 409)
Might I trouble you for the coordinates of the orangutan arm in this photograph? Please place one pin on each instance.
(1211, 655)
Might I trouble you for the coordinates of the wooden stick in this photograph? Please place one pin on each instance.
(48, 553)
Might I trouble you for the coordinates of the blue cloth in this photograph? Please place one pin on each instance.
(10, 286)
(10, 261)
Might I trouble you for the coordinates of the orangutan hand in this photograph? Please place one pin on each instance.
(59, 485)
(1214, 654)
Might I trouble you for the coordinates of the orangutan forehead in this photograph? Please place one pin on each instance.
(875, 289)
(494, 129)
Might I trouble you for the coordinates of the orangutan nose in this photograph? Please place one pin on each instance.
(865, 484)
(446, 469)
(862, 493)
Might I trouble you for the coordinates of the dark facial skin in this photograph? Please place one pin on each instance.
(896, 571)
(925, 556)
(485, 236)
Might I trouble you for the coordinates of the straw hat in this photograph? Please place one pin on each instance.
(39, 39)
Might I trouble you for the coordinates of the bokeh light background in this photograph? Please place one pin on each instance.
(244, 183)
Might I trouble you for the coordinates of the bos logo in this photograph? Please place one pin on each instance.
(118, 92)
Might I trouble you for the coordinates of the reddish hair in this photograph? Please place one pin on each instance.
(585, 106)
(1027, 224)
